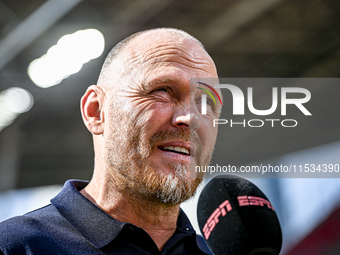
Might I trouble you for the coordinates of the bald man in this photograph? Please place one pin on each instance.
(147, 132)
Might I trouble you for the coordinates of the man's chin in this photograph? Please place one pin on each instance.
(170, 189)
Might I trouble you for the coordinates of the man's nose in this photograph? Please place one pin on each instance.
(187, 115)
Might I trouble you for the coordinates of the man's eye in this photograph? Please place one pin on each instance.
(209, 102)
(162, 89)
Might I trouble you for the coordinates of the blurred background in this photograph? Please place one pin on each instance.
(51, 51)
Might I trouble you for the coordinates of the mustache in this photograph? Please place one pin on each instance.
(180, 134)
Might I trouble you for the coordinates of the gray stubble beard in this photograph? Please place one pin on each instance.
(126, 153)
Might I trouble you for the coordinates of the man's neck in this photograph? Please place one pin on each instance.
(158, 220)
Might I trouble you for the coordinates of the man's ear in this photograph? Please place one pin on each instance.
(92, 109)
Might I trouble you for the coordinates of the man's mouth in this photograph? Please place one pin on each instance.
(175, 149)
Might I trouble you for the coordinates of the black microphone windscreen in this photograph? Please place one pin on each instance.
(236, 218)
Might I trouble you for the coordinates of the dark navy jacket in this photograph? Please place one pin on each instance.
(71, 224)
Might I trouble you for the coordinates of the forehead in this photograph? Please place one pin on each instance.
(154, 52)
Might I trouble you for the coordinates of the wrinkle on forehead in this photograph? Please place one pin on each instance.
(171, 54)
(150, 50)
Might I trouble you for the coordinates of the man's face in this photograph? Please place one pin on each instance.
(155, 130)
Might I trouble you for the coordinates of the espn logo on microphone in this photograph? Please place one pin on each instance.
(226, 207)
(213, 219)
(254, 201)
